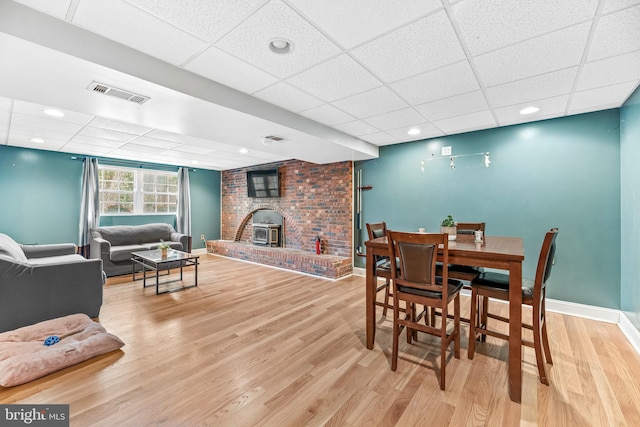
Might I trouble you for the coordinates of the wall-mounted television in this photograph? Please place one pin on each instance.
(263, 183)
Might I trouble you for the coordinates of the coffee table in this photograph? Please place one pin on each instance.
(154, 261)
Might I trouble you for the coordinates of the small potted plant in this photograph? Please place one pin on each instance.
(164, 247)
(448, 225)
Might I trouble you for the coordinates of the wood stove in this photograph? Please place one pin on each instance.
(266, 234)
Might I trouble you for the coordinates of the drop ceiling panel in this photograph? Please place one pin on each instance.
(130, 26)
(549, 107)
(616, 34)
(94, 132)
(454, 106)
(613, 96)
(427, 130)
(219, 66)
(118, 126)
(208, 20)
(249, 41)
(58, 8)
(336, 78)
(396, 119)
(328, 114)
(610, 71)
(46, 124)
(154, 142)
(20, 139)
(375, 101)
(538, 87)
(381, 138)
(437, 84)
(613, 5)
(289, 97)
(421, 46)
(357, 128)
(353, 22)
(37, 110)
(487, 25)
(550, 52)
(82, 140)
(468, 122)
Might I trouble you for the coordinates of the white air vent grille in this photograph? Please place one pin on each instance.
(117, 93)
(274, 138)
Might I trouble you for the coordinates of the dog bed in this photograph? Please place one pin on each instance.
(24, 356)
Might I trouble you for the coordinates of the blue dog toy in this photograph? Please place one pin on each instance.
(53, 339)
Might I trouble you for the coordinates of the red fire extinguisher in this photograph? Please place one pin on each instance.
(317, 245)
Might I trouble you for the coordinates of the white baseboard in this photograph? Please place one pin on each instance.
(200, 251)
(579, 310)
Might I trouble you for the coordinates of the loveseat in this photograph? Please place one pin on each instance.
(42, 282)
(114, 244)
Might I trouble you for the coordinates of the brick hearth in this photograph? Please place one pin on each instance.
(329, 266)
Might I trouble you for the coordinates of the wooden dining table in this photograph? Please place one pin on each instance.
(505, 253)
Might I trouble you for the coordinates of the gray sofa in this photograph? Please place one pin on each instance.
(114, 244)
(42, 282)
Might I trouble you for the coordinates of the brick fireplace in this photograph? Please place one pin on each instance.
(316, 200)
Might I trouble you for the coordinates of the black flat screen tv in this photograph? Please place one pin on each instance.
(263, 183)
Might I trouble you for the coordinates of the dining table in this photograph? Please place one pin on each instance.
(504, 253)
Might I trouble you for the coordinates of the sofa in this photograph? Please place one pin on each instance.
(42, 282)
(114, 244)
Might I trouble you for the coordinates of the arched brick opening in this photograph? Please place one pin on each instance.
(293, 230)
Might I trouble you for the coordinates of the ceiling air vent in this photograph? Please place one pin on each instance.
(117, 93)
(274, 138)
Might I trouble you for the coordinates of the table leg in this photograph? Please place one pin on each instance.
(515, 331)
(370, 299)
(157, 280)
(196, 272)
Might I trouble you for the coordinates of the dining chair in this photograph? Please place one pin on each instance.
(496, 285)
(383, 267)
(413, 272)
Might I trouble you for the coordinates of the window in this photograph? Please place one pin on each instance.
(137, 191)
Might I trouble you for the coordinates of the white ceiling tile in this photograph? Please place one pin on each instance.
(609, 71)
(616, 34)
(427, 130)
(223, 68)
(491, 24)
(612, 96)
(35, 122)
(336, 78)
(81, 140)
(20, 139)
(88, 149)
(613, 5)
(169, 136)
(328, 114)
(132, 147)
(250, 41)
(437, 84)
(380, 138)
(206, 19)
(5, 103)
(550, 52)
(58, 8)
(191, 149)
(288, 97)
(454, 106)
(466, 123)
(533, 88)
(106, 134)
(37, 110)
(396, 119)
(357, 128)
(353, 22)
(129, 25)
(118, 126)
(550, 107)
(421, 46)
(367, 104)
(153, 142)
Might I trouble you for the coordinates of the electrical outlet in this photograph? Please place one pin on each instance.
(202, 237)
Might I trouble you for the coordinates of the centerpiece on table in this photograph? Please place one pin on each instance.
(164, 248)
(448, 225)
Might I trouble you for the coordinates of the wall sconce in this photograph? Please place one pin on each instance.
(452, 163)
(452, 160)
(487, 161)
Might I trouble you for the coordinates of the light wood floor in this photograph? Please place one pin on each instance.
(256, 346)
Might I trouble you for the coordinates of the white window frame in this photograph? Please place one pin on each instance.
(138, 191)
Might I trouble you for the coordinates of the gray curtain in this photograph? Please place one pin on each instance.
(90, 204)
(183, 215)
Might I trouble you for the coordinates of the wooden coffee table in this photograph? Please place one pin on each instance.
(154, 261)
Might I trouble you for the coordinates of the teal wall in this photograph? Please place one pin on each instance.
(561, 173)
(630, 207)
(41, 190)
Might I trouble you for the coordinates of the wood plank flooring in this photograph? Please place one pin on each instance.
(257, 346)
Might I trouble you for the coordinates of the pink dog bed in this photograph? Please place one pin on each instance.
(24, 356)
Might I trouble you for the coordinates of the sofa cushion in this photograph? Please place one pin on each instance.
(11, 249)
(123, 253)
(119, 235)
(60, 259)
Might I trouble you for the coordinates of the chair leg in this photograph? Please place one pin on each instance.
(456, 326)
(396, 334)
(545, 337)
(537, 345)
(474, 321)
(443, 349)
(484, 316)
(386, 298)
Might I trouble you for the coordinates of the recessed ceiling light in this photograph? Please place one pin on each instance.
(243, 150)
(414, 131)
(53, 113)
(280, 45)
(37, 140)
(529, 110)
